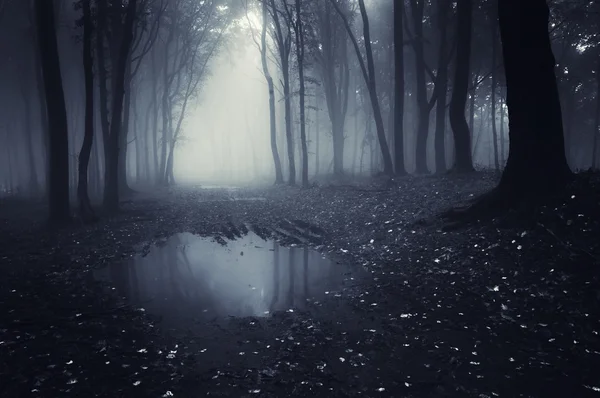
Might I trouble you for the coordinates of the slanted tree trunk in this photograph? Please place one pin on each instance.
(458, 122)
(58, 182)
(85, 207)
(368, 72)
(271, 86)
(399, 88)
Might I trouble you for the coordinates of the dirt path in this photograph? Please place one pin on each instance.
(480, 312)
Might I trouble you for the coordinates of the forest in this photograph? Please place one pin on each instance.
(373, 198)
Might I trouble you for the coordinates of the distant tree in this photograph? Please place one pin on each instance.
(463, 161)
(58, 151)
(368, 72)
(300, 50)
(283, 42)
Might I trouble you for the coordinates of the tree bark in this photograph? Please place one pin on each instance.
(58, 184)
(458, 122)
(536, 163)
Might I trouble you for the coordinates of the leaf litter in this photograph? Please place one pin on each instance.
(490, 310)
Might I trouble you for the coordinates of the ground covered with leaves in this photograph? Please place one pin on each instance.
(502, 308)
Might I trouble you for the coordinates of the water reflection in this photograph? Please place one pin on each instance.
(192, 276)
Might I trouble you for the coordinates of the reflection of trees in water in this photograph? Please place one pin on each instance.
(291, 270)
(305, 272)
(275, 276)
(296, 275)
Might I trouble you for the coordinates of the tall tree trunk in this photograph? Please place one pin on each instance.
(399, 87)
(460, 128)
(155, 78)
(300, 56)
(368, 72)
(536, 148)
(58, 183)
(85, 207)
(417, 9)
(442, 89)
(271, 86)
(494, 85)
(111, 191)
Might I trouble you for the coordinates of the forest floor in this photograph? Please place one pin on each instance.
(495, 309)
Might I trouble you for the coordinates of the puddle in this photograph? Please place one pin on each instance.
(194, 277)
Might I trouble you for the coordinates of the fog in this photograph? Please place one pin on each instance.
(195, 106)
(227, 129)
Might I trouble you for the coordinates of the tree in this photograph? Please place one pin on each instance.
(329, 51)
(399, 88)
(536, 165)
(463, 161)
(370, 81)
(283, 41)
(85, 208)
(58, 151)
(262, 46)
(299, 35)
(119, 61)
(443, 9)
(271, 86)
(536, 162)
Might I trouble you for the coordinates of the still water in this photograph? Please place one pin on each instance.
(188, 275)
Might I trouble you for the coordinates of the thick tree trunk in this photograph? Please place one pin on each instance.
(399, 88)
(460, 128)
(536, 162)
(85, 207)
(58, 183)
